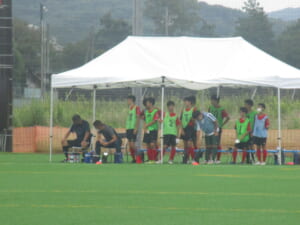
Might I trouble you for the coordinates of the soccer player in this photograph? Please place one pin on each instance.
(251, 114)
(132, 125)
(189, 133)
(151, 115)
(222, 116)
(83, 135)
(171, 132)
(208, 123)
(111, 140)
(260, 134)
(243, 129)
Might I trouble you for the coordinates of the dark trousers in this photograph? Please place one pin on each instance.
(117, 145)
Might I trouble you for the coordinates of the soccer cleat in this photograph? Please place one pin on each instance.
(133, 161)
(210, 162)
(99, 162)
(263, 164)
(217, 162)
(194, 163)
(158, 162)
(257, 163)
(233, 163)
(150, 162)
(65, 161)
(170, 162)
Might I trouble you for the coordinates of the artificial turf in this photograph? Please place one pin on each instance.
(35, 192)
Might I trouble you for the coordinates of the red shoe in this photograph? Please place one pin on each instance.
(99, 162)
(195, 163)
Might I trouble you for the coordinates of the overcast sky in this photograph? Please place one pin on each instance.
(269, 5)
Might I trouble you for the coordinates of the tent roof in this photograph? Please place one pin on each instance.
(193, 63)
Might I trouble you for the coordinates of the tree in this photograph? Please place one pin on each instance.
(112, 31)
(183, 17)
(255, 27)
(26, 51)
(288, 47)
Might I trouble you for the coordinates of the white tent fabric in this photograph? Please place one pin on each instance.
(194, 63)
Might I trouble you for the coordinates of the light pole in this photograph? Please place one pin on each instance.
(44, 48)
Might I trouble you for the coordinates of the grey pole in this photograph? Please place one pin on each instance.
(51, 123)
(137, 29)
(279, 126)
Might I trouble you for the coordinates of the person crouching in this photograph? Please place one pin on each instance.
(111, 140)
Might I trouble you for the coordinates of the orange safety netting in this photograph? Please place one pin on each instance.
(36, 139)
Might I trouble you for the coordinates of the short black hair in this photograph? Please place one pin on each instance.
(132, 97)
(149, 99)
(170, 103)
(196, 114)
(215, 98)
(192, 99)
(98, 123)
(249, 102)
(243, 109)
(262, 105)
(76, 118)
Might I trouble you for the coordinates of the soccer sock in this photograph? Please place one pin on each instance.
(265, 154)
(149, 154)
(192, 153)
(172, 153)
(244, 156)
(234, 155)
(219, 153)
(258, 154)
(132, 152)
(65, 150)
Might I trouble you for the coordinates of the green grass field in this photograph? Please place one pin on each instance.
(35, 192)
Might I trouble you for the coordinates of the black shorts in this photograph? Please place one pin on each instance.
(190, 134)
(259, 141)
(130, 135)
(170, 140)
(242, 145)
(150, 137)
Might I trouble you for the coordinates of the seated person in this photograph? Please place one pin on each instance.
(82, 129)
(112, 140)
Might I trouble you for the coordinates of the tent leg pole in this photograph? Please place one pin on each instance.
(162, 124)
(94, 102)
(218, 91)
(51, 125)
(279, 126)
(94, 112)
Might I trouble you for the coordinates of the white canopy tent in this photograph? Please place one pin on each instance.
(193, 63)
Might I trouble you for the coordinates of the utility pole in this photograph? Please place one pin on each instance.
(137, 30)
(43, 30)
(167, 21)
(6, 75)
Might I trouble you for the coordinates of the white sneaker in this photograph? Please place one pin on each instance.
(158, 162)
(170, 162)
(210, 162)
(257, 163)
(263, 163)
(217, 162)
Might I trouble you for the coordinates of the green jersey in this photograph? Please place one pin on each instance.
(187, 116)
(170, 124)
(251, 116)
(218, 113)
(149, 117)
(131, 119)
(241, 129)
